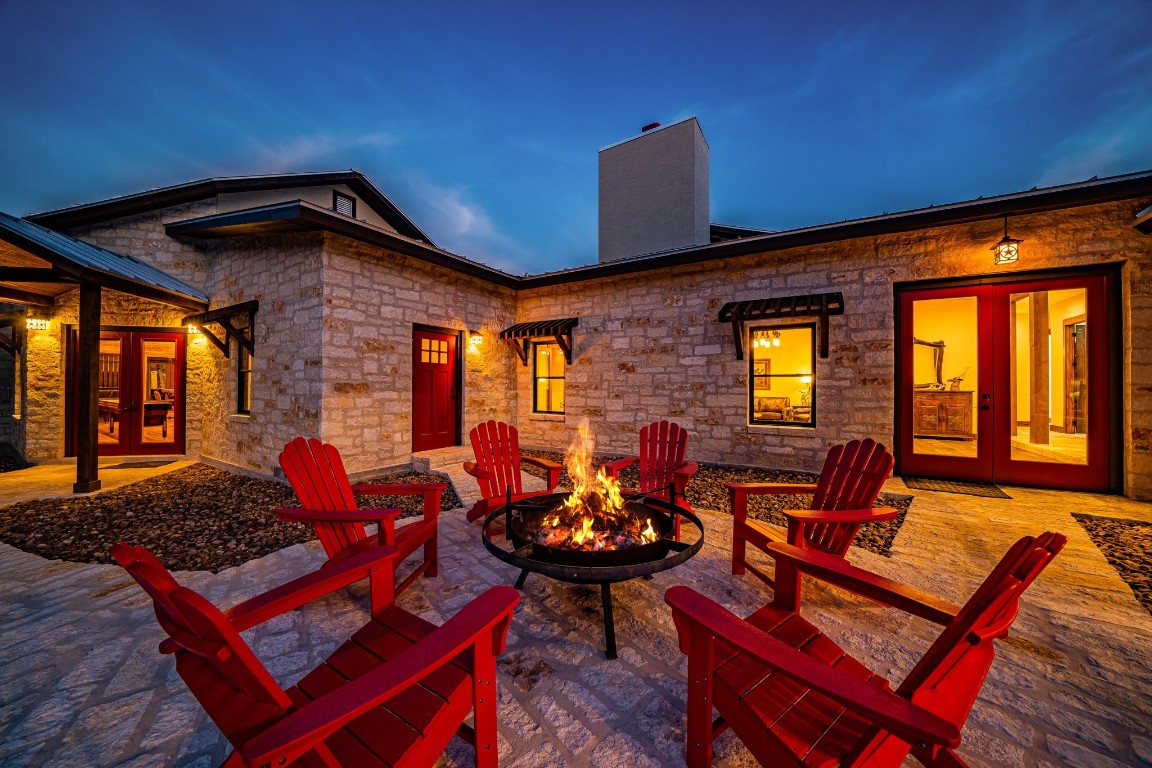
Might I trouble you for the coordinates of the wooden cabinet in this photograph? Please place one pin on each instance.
(942, 413)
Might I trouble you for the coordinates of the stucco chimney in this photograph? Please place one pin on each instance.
(654, 192)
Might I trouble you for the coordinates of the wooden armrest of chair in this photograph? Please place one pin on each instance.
(611, 468)
(476, 470)
(871, 515)
(552, 467)
(879, 705)
(338, 516)
(686, 470)
(398, 489)
(385, 518)
(542, 463)
(760, 489)
(295, 593)
(484, 620)
(836, 570)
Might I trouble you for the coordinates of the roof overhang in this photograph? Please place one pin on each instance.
(37, 265)
(1143, 221)
(1092, 192)
(131, 205)
(300, 216)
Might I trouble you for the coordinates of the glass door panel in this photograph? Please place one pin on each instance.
(945, 363)
(158, 374)
(1048, 354)
(112, 389)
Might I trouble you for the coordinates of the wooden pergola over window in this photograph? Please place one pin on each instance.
(818, 305)
(38, 265)
(560, 331)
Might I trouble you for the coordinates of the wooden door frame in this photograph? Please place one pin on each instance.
(1112, 329)
(70, 330)
(459, 381)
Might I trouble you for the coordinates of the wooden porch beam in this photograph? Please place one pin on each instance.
(33, 275)
(17, 296)
(88, 391)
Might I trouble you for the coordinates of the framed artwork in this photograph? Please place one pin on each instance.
(761, 367)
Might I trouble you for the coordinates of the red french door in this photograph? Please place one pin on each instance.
(435, 382)
(1008, 382)
(141, 393)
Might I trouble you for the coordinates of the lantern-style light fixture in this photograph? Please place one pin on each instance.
(475, 339)
(1008, 249)
(36, 324)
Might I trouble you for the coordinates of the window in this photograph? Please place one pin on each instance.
(782, 374)
(243, 379)
(549, 376)
(344, 204)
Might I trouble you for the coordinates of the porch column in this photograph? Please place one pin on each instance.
(87, 391)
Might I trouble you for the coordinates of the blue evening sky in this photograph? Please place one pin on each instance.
(481, 120)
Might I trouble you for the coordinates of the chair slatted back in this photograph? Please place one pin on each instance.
(497, 449)
(213, 660)
(663, 446)
(316, 473)
(851, 479)
(949, 676)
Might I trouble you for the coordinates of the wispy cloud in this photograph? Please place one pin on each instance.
(1117, 142)
(461, 225)
(304, 152)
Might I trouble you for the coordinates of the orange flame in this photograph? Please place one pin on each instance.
(593, 517)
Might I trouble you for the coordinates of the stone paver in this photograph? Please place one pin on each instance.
(81, 681)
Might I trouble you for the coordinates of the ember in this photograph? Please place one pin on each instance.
(595, 516)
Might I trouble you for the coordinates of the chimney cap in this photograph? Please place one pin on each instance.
(649, 127)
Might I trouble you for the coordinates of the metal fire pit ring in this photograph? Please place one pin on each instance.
(605, 576)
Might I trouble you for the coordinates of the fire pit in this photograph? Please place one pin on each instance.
(593, 535)
(604, 567)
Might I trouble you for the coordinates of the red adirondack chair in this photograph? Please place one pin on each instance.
(663, 448)
(317, 476)
(497, 467)
(842, 501)
(394, 694)
(795, 698)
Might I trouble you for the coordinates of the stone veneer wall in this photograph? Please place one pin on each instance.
(648, 345)
(372, 299)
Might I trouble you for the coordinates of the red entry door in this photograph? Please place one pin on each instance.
(435, 372)
(1008, 382)
(141, 393)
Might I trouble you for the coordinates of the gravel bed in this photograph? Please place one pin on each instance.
(198, 518)
(1128, 546)
(706, 490)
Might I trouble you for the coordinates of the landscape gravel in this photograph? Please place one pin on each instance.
(1127, 544)
(198, 518)
(706, 491)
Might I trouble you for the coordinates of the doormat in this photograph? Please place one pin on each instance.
(140, 464)
(991, 490)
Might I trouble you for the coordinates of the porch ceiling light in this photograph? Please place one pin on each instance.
(1008, 249)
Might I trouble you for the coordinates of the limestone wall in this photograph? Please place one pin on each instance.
(372, 299)
(649, 346)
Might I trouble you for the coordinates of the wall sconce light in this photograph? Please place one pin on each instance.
(475, 339)
(1008, 249)
(36, 324)
(193, 329)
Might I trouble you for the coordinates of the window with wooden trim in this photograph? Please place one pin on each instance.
(548, 377)
(344, 204)
(782, 375)
(243, 380)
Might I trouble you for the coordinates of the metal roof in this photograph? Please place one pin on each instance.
(164, 197)
(89, 262)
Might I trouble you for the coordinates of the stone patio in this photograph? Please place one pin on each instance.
(81, 682)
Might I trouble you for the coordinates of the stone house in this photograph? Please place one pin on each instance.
(1003, 338)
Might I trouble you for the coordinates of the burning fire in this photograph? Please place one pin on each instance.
(594, 517)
